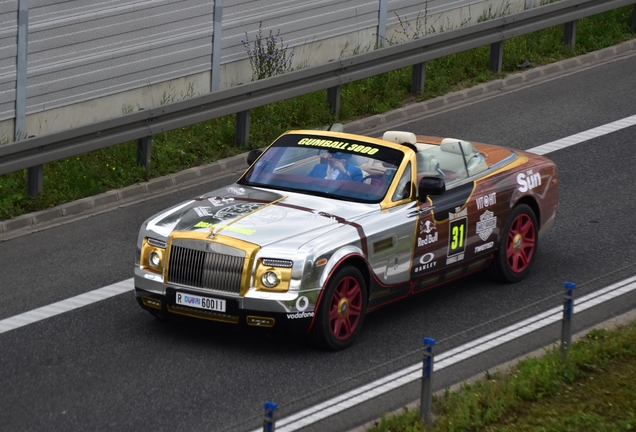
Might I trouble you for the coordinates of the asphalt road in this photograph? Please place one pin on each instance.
(112, 366)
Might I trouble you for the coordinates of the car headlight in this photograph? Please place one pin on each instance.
(155, 259)
(152, 255)
(270, 279)
(273, 275)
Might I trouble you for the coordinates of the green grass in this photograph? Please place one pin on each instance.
(593, 390)
(114, 167)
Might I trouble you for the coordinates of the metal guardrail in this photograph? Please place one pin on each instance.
(146, 123)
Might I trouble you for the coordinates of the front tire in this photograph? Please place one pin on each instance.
(517, 246)
(341, 311)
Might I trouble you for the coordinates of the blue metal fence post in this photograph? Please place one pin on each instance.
(426, 400)
(566, 323)
(269, 421)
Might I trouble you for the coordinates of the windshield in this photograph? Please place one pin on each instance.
(326, 166)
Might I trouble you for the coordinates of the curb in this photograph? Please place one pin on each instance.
(362, 126)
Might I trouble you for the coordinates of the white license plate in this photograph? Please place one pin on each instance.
(200, 302)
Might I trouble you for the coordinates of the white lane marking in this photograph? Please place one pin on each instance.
(412, 373)
(584, 136)
(69, 304)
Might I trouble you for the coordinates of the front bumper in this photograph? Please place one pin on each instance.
(273, 313)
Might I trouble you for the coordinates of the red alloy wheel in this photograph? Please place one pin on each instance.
(345, 308)
(521, 243)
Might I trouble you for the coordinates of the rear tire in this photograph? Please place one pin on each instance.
(341, 311)
(517, 246)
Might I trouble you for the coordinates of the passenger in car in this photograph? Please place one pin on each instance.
(336, 166)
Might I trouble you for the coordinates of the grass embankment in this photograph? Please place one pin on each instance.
(115, 167)
(594, 390)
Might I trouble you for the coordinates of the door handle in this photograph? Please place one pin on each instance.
(420, 211)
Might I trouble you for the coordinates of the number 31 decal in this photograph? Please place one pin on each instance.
(457, 237)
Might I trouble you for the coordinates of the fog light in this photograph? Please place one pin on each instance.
(154, 259)
(260, 321)
(150, 302)
(270, 279)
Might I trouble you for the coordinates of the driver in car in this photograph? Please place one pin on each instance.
(336, 166)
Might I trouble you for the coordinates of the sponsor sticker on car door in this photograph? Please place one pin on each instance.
(423, 256)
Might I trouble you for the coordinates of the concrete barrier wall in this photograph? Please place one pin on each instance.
(90, 61)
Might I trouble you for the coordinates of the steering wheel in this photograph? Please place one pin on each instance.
(372, 176)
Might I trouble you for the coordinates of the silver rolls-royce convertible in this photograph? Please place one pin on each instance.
(325, 226)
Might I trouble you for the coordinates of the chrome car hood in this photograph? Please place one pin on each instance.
(256, 215)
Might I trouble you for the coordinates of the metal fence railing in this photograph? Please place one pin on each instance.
(33, 152)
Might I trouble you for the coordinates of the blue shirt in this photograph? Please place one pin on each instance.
(354, 173)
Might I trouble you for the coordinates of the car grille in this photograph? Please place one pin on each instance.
(203, 269)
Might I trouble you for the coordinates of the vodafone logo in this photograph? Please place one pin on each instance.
(302, 303)
(298, 315)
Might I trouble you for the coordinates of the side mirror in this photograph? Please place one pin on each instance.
(253, 155)
(430, 186)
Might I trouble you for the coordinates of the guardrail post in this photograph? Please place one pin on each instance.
(333, 98)
(144, 150)
(528, 5)
(269, 421)
(569, 34)
(496, 56)
(418, 75)
(35, 180)
(242, 133)
(426, 400)
(566, 323)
